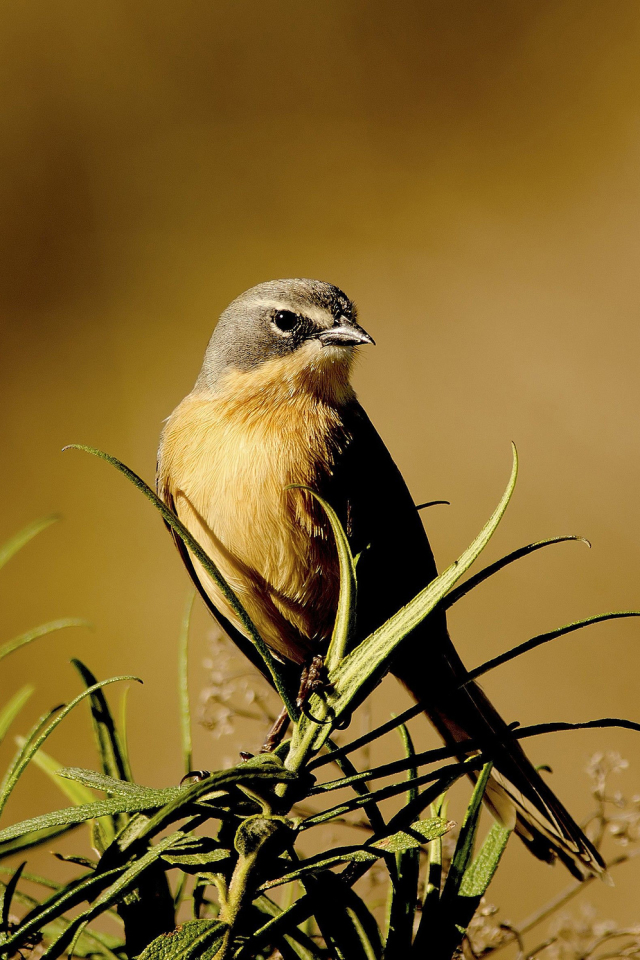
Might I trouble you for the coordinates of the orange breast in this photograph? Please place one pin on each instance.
(226, 460)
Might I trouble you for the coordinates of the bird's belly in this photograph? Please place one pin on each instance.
(270, 543)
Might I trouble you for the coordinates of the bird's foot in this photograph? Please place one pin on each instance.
(313, 679)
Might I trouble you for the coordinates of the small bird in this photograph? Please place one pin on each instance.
(273, 407)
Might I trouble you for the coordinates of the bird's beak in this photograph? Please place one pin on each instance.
(346, 333)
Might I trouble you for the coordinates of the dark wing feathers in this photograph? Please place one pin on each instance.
(396, 563)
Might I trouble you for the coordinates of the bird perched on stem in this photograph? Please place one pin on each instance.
(272, 408)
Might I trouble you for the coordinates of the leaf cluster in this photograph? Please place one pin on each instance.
(212, 848)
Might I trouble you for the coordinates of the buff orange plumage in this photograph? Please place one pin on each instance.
(273, 406)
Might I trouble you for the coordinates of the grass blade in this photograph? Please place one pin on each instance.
(183, 685)
(22, 538)
(41, 631)
(195, 548)
(11, 709)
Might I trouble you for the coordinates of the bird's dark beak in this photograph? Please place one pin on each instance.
(346, 333)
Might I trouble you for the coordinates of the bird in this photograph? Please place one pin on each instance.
(272, 411)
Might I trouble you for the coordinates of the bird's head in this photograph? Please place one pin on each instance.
(285, 328)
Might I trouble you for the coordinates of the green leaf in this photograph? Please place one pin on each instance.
(377, 649)
(346, 924)
(467, 836)
(55, 906)
(443, 778)
(479, 875)
(264, 768)
(371, 810)
(11, 847)
(191, 543)
(37, 737)
(11, 709)
(397, 843)
(112, 785)
(22, 538)
(112, 756)
(193, 940)
(76, 792)
(302, 945)
(429, 920)
(483, 575)
(346, 609)
(404, 873)
(72, 816)
(6, 896)
(183, 685)
(545, 638)
(197, 855)
(37, 632)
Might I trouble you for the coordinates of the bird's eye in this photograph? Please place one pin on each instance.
(286, 320)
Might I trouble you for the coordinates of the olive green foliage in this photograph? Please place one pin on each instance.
(188, 871)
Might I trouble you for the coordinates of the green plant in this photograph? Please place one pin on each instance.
(217, 845)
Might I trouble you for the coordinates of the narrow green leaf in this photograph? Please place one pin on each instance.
(76, 792)
(55, 906)
(19, 761)
(122, 726)
(397, 843)
(348, 928)
(11, 847)
(345, 613)
(371, 810)
(6, 896)
(489, 571)
(191, 543)
(105, 732)
(545, 638)
(403, 889)
(376, 650)
(22, 538)
(37, 632)
(36, 738)
(443, 778)
(183, 685)
(112, 785)
(193, 940)
(431, 917)
(302, 945)
(72, 816)
(11, 709)
(479, 875)
(466, 839)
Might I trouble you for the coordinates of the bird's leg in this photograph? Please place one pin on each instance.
(277, 732)
(313, 679)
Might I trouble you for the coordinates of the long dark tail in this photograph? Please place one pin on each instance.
(516, 791)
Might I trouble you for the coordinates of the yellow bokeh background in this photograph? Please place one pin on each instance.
(469, 174)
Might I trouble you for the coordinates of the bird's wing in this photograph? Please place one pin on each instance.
(396, 563)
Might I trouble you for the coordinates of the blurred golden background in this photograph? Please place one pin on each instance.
(469, 174)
